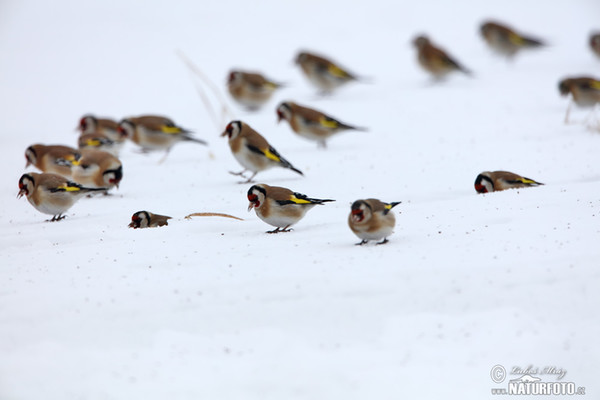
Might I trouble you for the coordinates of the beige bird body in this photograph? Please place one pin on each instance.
(98, 169)
(280, 207)
(250, 89)
(100, 141)
(323, 73)
(501, 180)
(435, 60)
(154, 133)
(372, 219)
(146, 219)
(505, 40)
(55, 159)
(108, 127)
(252, 150)
(311, 124)
(584, 90)
(51, 193)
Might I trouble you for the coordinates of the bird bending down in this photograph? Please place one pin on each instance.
(371, 219)
(280, 207)
(253, 151)
(51, 193)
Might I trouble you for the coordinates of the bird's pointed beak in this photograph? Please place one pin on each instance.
(250, 206)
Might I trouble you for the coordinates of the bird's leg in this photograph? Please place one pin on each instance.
(238, 173)
(287, 229)
(384, 241)
(249, 180)
(57, 218)
(568, 112)
(361, 242)
(276, 230)
(162, 160)
(321, 144)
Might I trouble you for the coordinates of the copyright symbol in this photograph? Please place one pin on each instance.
(498, 373)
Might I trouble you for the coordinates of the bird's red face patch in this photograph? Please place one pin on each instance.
(480, 188)
(252, 198)
(357, 215)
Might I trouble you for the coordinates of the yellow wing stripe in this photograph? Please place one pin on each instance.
(595, 85)
(337, 71)
(69, 188)
(93, 142)
(299, 201)
(328, 123)
(388, 206)
(516, 39)
(524, 180)
(271, 156)
(170, 129)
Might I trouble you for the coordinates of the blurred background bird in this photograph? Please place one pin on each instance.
(56, 159)
(98, 169)
(324, 74)
(595, 43)
(505, 41)
(434, 60)
(51, 194)
(105, 126)
(501, 180)
(372, 219)
(279, 206)
(311, 124)
(146, 219)
(253, 151)
(156, 133)
(584, 91)
(100, 141)
(250, 89)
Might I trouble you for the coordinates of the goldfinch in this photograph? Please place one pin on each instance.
(146, 219)
(55, 159)
(99, 141)
(311, 124)
(50, 193)
(371, 219)
(152, 132)
(90, 124)
(505, 40)
(280, 207)
(584, 91)
(323, 73)
(98, 169)
(253, 151)
(435, 60)
(595, 43)
(501, 180)
(250, 89)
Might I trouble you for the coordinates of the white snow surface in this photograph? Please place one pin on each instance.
(215, 308)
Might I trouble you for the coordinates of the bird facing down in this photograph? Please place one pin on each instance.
(253, 151)
(250, 89)
(51, 193)
(323, 73)
(371, 219)
(501, 180)
(108, 127)
(505, 40)
(280, 207)
(155, 133)
(595, 43)
(435, 60)
(55, 159)
(98, 169)
(100, 141)
(584, 91)
(146, 219)
(311, 124)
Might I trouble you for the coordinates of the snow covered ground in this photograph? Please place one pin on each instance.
(215, 308)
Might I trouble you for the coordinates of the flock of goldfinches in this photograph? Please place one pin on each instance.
(69, 174)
